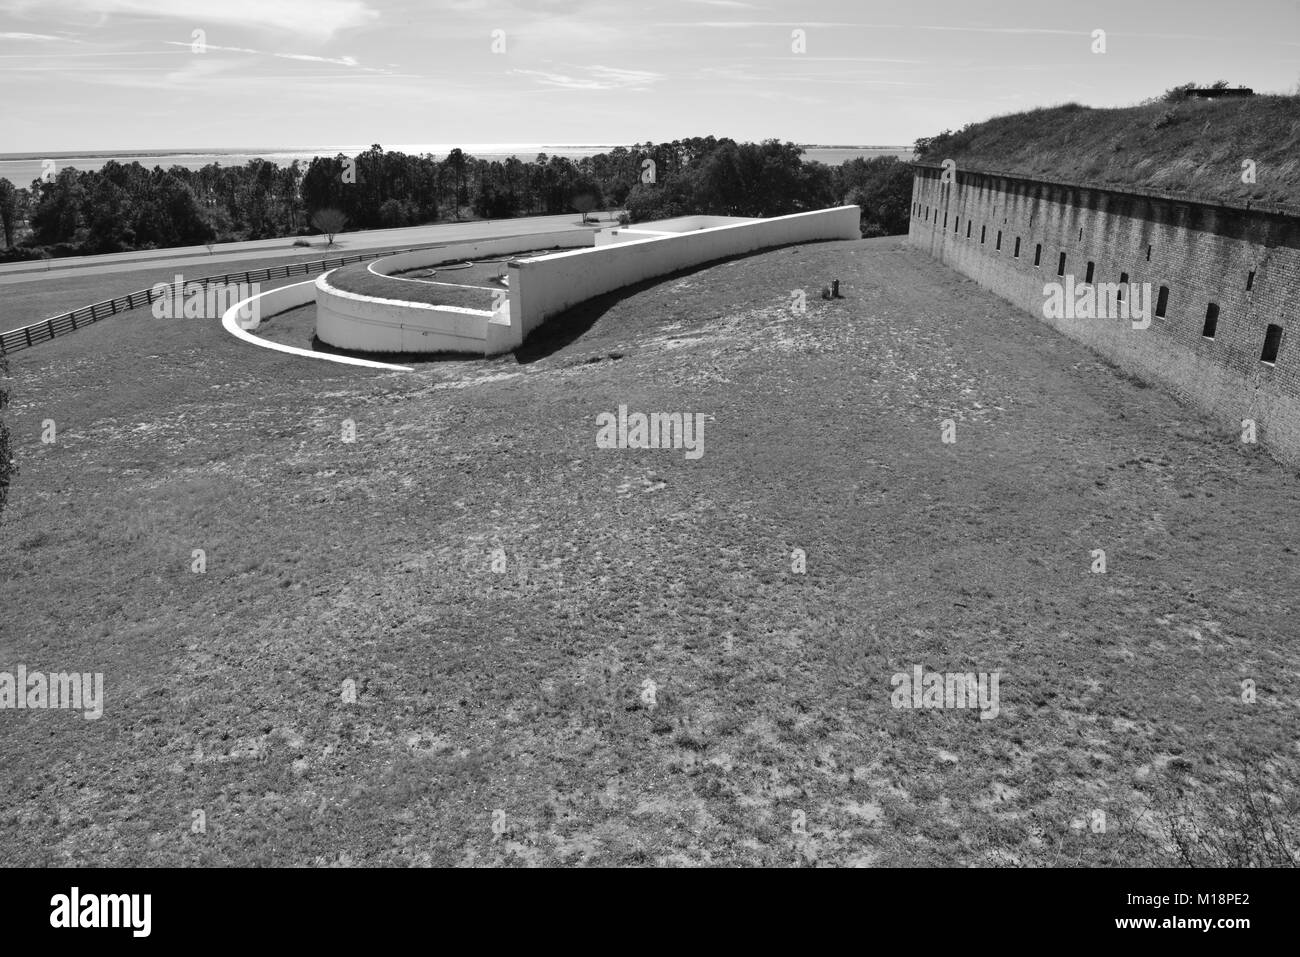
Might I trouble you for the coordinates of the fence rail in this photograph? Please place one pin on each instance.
(27, 336)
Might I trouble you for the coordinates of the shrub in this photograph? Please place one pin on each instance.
(1253, 826)
(583, 203)
(22, 254)
(926, 147)
(882, 188)
(393, 213)
(329, 221)
(1166, 118)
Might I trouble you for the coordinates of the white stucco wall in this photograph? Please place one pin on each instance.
(663, 227)
(281, 299)
(566, 238)
(542, 286)
(626, 234)
(349, 320)
(364, 323)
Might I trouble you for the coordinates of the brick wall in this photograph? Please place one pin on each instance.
(1204, 253)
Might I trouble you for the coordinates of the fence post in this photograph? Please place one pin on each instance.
(28, 330)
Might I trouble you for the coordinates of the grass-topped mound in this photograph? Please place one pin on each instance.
(1188, 146)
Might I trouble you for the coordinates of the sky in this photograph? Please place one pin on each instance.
(230, 74)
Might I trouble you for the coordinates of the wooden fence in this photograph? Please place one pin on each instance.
(38, 332)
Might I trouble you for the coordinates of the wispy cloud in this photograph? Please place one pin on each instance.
(341, 61)
(28, 36)
(317, 19)
(842, 59)
(596, 78)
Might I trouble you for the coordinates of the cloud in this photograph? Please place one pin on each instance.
(597, 78)
(341, 61)
(28, 36)
(317, 19)
(841, 59)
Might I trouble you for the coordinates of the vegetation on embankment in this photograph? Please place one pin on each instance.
(1176, 144)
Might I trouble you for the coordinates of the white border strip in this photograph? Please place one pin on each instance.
(230, 322)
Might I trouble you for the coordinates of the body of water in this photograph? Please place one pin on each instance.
(21, 168)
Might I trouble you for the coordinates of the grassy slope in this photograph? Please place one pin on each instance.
(1196, 146)
(476, 691)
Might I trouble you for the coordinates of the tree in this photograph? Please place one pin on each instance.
(57, 213)
(108, 217)
(583, 203)
(926, 147)
(171, 216)
(329, 221)
(392, 213)
(8, 211)
(455, 163)
(882, 187)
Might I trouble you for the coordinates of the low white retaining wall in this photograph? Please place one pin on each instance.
(349, 320)
(542, 286)
(365, 323)
(545, 285)
(267, 304)
(665, 227)
(566, 238)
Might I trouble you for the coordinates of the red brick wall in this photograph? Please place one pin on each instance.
(1202, 252)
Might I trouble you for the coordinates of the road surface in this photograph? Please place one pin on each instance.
(346, 244)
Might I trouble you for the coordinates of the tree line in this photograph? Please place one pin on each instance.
(128, 206)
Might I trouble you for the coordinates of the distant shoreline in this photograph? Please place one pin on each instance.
(494, 148)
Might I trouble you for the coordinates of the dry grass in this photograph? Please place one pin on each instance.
(1196, 146)
(523, 691)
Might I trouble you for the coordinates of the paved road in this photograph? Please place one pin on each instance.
(345, 244)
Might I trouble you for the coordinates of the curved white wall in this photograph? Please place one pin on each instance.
(663, 227)
(349, 320)
(565, 238)
(543, 286)
(277, 300)
(364, 323)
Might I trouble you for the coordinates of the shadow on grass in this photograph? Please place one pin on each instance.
(562, 330)
(566, 328)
